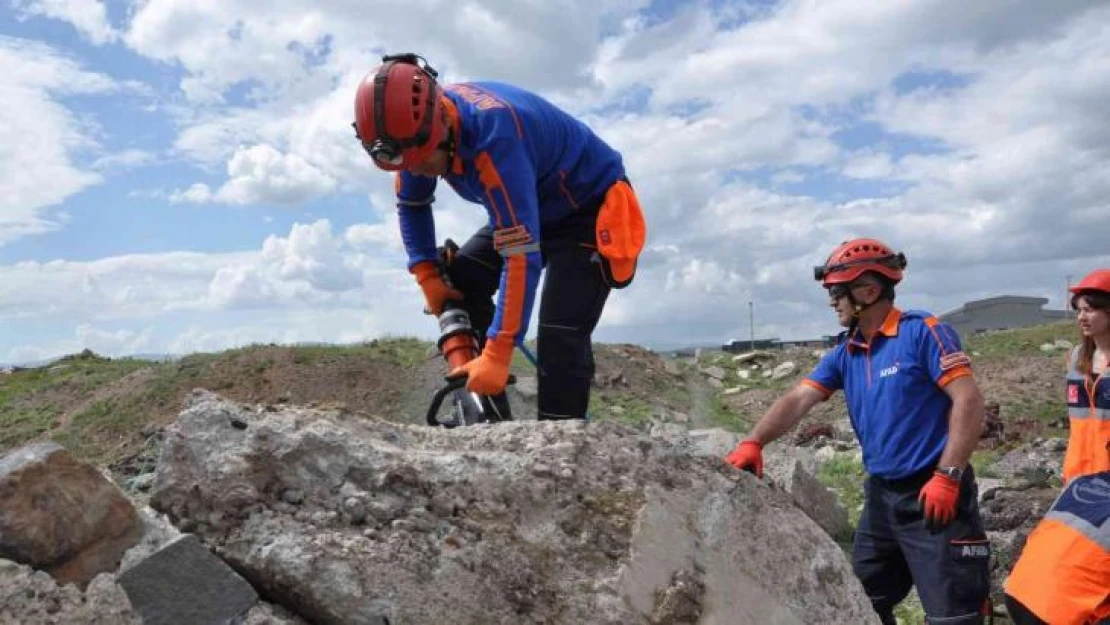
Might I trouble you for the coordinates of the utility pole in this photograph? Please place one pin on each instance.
(1067, 296)
(751, 322)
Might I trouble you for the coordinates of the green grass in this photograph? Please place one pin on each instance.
(983, 461)
(33, 402)
(718, 415)
(630, 410)
(19, 426)
(400, 351)
(91, 432)
(26, 408)
(910, 611)
(844, 474)
(1021, 342)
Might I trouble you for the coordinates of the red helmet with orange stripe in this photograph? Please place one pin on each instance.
(1097, 280)
(397, 108)
(854, 258)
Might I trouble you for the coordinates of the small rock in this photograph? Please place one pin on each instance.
(1056, 445)
(753, 357)
(783, 370)
(714, 372)
(355, 508)
(141, 482)
(293, 496)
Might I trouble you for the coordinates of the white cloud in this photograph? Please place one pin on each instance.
(87, 16)
(868, 164)
(261, 174)
(39, 135)
(990, 162)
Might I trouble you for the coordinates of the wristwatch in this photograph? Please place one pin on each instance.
(952, 473)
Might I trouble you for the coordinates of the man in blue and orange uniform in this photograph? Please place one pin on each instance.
(917, 411)
(558, 201)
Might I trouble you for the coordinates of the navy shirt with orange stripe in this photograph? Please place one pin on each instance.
(894, 388)
(530, 164)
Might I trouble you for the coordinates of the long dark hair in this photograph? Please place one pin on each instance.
(1099, 300)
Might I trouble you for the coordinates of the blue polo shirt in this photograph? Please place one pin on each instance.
(894, 388)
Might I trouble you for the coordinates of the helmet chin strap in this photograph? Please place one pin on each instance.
(858, 308)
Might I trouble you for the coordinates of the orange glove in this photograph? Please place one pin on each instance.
(436, 291)
(939, 499)
(489, 372)
(748, 456)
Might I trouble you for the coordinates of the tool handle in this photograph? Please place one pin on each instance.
(453, 384)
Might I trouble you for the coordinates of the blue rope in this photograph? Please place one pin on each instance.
(528, 354)
(535, 364)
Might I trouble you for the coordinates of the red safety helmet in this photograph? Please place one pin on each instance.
(1097, 280)
(854, 258)
(396, 109)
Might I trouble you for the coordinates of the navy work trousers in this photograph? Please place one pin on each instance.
(893, 551)
(574, 293)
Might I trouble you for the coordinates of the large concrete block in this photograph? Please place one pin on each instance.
(185, 583)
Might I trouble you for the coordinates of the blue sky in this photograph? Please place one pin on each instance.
(181, 177)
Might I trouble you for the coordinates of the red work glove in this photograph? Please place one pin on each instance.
(488, 373)
(939, 498)
(748, 456)
(436, 291)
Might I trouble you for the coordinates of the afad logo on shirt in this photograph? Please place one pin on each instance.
(1073, 393)
(889, 371)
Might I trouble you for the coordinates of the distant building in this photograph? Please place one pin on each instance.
(1001, 313)
(737, 346)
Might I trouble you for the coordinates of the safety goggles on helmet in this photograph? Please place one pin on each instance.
(893, 261)
(389, 151)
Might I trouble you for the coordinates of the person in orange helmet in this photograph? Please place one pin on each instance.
(917, 412)
(558, 201)
(1063, 574)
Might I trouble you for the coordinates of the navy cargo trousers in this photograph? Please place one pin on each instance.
(575, 289)
(892, 551)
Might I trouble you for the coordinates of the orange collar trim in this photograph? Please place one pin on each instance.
(888, 329)
(890, 324)
(456, 127)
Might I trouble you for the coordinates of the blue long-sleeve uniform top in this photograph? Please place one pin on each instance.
(530, 164)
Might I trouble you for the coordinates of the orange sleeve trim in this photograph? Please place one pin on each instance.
(953, 374)
(816, 385)
(515, 281)
(516, 120)
(491, 180)
(931, 323)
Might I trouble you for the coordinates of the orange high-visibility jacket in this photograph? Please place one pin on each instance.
(1063, 574)
(1089, 419)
